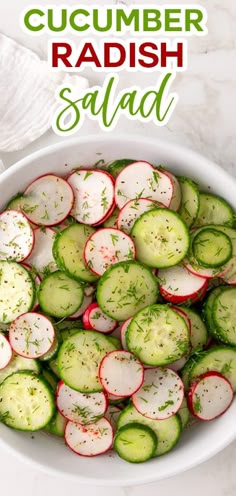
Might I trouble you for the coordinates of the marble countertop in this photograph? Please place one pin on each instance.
(204, 120)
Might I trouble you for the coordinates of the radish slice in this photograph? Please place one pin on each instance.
(5, 352)
(195, 269)
(94, 195)
(16, 236)
(132, 210)
(96, 320)
(161, 394)
(179, 364)
(80, 407)
(121, 373)
(141, 180)
(48, 200)
(41, 257)
(32, 335)
(90, 440)
(178, 285)
(89, 290)
(86, 303)
(176, 198)
(107, 246)
(112, 414)
(210, 396)
(37, 281)
(123, 331)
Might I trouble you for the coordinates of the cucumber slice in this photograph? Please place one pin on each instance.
(57, 425)
(53, 364)
(79, 359)
(199, 334)
(15, 203)
(167, 431)
(26, 402)
(214, 210)
(16, 289)
(158, 335)
(68, 251)
(220, 359)
(52, 352)
(190, 200)
(118, 165)
(135, 443)
(224, 315)
(208, 311)
(18, 363)
(125, 288)
(184, 414)
(161, 238)
(50, 378)
(59, 295)
(211, 248)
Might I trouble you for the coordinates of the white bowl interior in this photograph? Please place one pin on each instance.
(197, 443)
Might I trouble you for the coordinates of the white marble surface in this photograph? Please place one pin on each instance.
(205, 120)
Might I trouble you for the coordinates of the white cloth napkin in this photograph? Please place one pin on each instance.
(27, 94)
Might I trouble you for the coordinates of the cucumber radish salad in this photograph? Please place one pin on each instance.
(117, 308)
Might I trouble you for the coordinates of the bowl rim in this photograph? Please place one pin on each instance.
(96, 138)
(175, 149)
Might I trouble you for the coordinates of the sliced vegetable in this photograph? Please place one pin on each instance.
(26, 402)
(31, 335)
(79, 359)
(161, 394)
(210, 396)
(125, 288)
(161, 238)
(141, 180)
(68, 251)
(94, 318)
(48, 200)
(135, 443)
(94, 195)
(80, 407)
(121, 373)
(16, 290)
(178, 285)
(106, 247)
(158, 335)
(92, 440)
(16, 236)
(59, 295)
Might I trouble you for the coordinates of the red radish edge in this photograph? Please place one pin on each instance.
(91, 235)
(99, 374)
(89, 456)
(73, 198)
(86, 320)
(36, 313)
(59, 385)
(193, 387)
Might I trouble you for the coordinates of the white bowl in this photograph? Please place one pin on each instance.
(198, 443)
